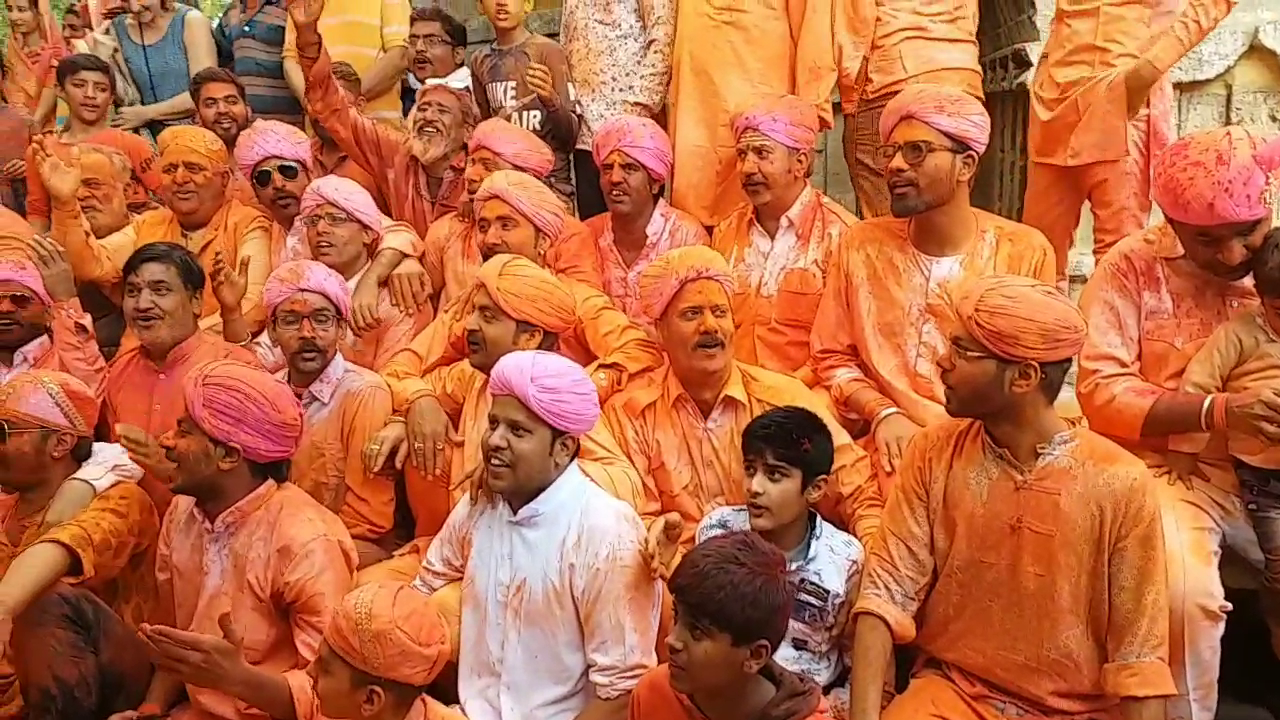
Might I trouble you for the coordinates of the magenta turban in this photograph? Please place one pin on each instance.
(242, 405)
(25, 273)
(954, 113)
(528, 196)
(1217, 177)
(266, 139)
(640, 139)
(346, 194)
(513, 144)
(554, 387)
(306, 276)
(787, 120)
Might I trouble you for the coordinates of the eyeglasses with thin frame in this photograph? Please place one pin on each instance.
(964, 353)
(288, 170)
(914, 152)
(6, 431)
(334, 219)
(319, 321)
(431, 41)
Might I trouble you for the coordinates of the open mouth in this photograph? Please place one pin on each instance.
(145, 322)
(9, 325)
(428, 130)
(323, 247)
(184, 194)
(309, 356)
(898, 187)
(496, 462)
(709, 344)
(617, 194)
(226, 124)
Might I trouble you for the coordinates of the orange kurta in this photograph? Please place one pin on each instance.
(721, 64)
(113, 541)
(345, 407)
(655, 698)
(1079, 535)
(692, 465)
(276, 561)
(779, 280)
(70, 347)
(139, 392)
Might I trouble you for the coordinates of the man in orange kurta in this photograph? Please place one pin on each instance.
(71, 595)
(881, 325)
(724, 61)
(780, 243)
(518, 214)
(195, 171)
(681, 426)
(1101, 110)
(1021, 555)
(882, 47)
(1152, 303)
(241, 548)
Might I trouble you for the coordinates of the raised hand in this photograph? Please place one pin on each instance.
(60, 177)
(229, 287)
(306, 12)
(51, 260)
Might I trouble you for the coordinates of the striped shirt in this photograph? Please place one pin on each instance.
(249, 45)
(355, 33)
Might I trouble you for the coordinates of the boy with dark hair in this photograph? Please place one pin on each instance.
(787, 454)
(732, 607)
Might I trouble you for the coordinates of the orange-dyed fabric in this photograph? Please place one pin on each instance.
(276, 561)
(29, 71)
(141, 393)
(779, 280)
(463, 392)
(70, 347)
(306, 704)
(345, 407)
(692, 464)
(883, 45)
(882, 323)
(655, 698)
(236, 231)
(668, 229)
(796, 57)
(1079, 535)
(340, 164)
(1150, 309)
(142, 158)
(113, 541)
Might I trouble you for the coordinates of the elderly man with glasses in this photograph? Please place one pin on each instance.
(880, 325)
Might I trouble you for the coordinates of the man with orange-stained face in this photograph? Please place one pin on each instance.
(104, 177)
(681, 426)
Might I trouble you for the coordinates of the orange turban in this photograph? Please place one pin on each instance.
(528, 196)
(390, 631)
(1021, 319)
(245, 406)
(787, 120)
(1217, 177)
(15, 233)
(180, 139)
(527, 292)
(662, 279)
(513, 144)
(50, 399)
(954, 113)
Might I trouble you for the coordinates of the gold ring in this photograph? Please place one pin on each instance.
(439, 446)
(418, 446)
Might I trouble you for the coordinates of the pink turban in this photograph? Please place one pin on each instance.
(306, 276)
(1022, 319)
(528, 196)
(515, 145)
(956, 114)
(787, 120)
(554, 387)
(662, 279)
(344, 193)
(1217, 177)
(50, 399)
(24, 273)
(640, 139)
(242, 405)
(266, 139)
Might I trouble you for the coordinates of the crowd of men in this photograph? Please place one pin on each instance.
(549, 403)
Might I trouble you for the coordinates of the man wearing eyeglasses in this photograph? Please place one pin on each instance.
(880, 326)
(438, 43)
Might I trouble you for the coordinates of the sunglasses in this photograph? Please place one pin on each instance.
(6, 431)
(287, 170)
(22, 301)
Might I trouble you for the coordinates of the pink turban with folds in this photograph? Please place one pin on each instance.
(306, 276)
(640, 139)
(513, 144)
(25, 273)
(787, 120)
(954, 113)
(245, 406)
(528, 196)
(266, 139)
(1021, 319)
(50, 399)
(662, 279)
(344, 193)
(391, 631)
(554, 387)
(1217, 177)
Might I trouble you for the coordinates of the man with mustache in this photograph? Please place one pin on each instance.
(1007, 495)
(222, 108)
(1152, 302)
(142, 394)
(681, 425)
(200, 213)
(633, 160)
(880, 325)
(438, 43)
(781, 242)
(419, 173)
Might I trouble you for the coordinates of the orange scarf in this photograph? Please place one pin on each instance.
(29, 70)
